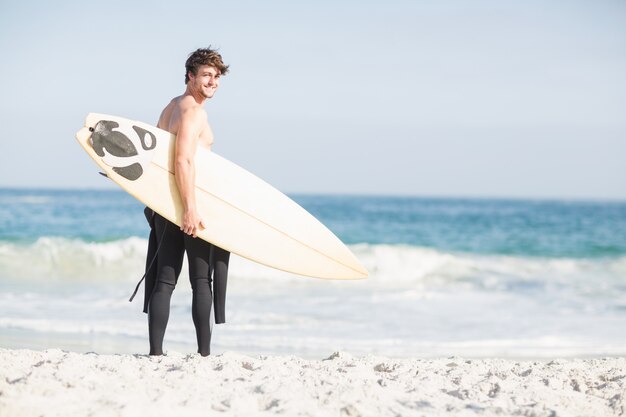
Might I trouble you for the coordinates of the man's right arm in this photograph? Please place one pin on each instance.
(185, 171)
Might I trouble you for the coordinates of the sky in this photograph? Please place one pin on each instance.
(508, 99)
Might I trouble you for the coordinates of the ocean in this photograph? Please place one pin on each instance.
(448, 277)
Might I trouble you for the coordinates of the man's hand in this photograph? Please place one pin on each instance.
(192, 223)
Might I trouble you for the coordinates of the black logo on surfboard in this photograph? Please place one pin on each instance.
(128, 152)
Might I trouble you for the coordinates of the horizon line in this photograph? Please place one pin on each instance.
(362, 194)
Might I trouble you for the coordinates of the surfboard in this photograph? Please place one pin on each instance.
(242, 213)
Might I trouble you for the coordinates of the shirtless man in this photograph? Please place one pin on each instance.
(185, 117)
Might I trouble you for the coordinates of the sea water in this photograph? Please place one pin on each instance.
(466, 277)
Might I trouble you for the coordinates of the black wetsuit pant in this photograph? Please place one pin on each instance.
(173, 245)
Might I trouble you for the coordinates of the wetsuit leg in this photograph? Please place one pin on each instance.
(169, 264)
(198, 255)
(219, 259)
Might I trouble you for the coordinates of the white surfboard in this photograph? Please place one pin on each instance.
(242, 213)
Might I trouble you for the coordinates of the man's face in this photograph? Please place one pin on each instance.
(206, 80)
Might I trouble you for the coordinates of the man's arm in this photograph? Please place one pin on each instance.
(185, 170)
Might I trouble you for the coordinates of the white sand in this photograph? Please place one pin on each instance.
(58, 383)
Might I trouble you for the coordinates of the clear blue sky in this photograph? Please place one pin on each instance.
(434, 98)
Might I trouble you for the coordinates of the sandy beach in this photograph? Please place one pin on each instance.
(60, 383)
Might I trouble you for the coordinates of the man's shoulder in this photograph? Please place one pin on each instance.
(193, 112)
(171, 108)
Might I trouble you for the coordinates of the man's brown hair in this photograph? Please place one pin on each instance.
(204, 56)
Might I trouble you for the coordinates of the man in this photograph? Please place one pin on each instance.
(185, 117)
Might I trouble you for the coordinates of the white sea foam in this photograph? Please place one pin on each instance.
(391, 266)
(61, 259)
(417, 301)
